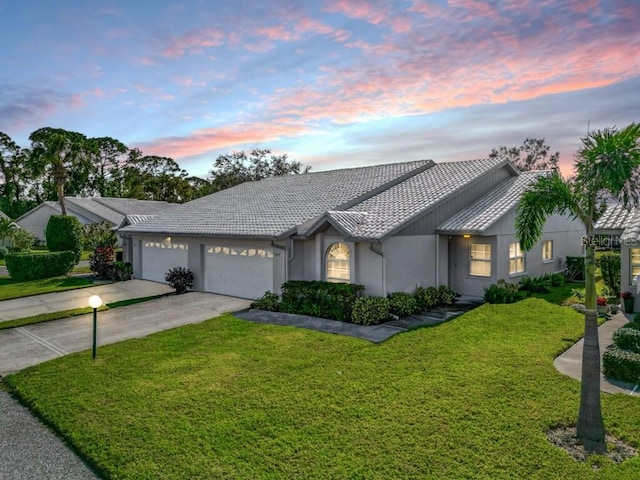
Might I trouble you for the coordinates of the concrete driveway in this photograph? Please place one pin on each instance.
(33, 344)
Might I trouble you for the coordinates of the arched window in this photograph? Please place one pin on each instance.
(338, 267)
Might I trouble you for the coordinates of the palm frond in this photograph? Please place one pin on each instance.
(548, 196)
(610, 159)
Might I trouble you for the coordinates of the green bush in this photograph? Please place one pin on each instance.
(4, 251)
(370, 310)
(501, 292)
(540, 284)
(21, 240)
(446, 295)
(320, 299)
(622, 365)
(29, 266)
(627, 339)
(427, 298)
(99, 235)
(556, 279)
(121, 271)
(610, 268)
(65, 233)
(101, 262)
(269, 302)
(575, 268)
(402, 304)
(180, 278)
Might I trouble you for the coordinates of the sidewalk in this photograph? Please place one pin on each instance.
(570, 362)
(78, 298)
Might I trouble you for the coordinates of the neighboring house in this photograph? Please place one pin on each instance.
(623, 226)
(389, 227)
(4, 242)
(88, 211)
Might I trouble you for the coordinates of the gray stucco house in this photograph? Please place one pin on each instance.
(88, 211)
(622, 226)
(389, 227)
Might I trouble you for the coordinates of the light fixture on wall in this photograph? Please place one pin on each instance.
(466, 235)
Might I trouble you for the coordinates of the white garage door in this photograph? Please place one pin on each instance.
(240, 270)
(159, 257)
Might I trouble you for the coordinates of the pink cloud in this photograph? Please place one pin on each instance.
(194, 42)
(211, 139)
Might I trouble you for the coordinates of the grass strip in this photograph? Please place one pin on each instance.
(10, 288)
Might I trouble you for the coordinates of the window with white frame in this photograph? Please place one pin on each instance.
(547, 251)
(634, 263)
(338, 263)
(480, 259)
(516, 259)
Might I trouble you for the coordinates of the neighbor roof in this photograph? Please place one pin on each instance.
(131, 206)
(276, 206)
(615, 217)
(477, 218)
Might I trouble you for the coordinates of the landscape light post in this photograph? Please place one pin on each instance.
(94, 302)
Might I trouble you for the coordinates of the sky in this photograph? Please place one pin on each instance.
(332, 83)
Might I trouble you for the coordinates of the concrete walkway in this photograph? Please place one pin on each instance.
(78, 298)
(570, 362)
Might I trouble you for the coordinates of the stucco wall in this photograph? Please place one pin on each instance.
(410, 262)
(459, 278)
(36, 222)
(626, 278)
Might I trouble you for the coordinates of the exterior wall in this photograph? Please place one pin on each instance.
(369, 270)
(626, 279)
(565, 233)
(36, 221)
(410, 262)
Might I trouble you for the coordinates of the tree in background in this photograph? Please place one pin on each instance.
(14, 179)
(107, 155)
(61, 156)
(607, 165)
(533, 154)
(238, 167)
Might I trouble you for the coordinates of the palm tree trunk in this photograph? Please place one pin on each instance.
(63, 206)
(590, 426)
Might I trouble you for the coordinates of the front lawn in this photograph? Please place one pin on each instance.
(471, 398)
(10, 288)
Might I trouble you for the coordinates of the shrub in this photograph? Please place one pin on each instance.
(540, 284)
(427, 298)
(622, 365)
(101, 262)
(21, 240)
(601, 301)
(320, 299)
(446, 295)
(370, 310)
(121, 271)
(610, 268)
(556, 279)
(501, 292)
(180, 278)
(402, 304)
(99, 235)
(575, 268)
(65, 233)
(269, 302)
(4, 251)
(627, 339)
(29, 266)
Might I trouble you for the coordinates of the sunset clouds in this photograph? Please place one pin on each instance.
(192, 80)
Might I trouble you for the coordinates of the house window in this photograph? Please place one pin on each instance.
(338, 265)
(516, 259)
(634, 263)
(480, 260)
(547, 251)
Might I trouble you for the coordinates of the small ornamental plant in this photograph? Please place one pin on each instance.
(180, 278)
(602, 302)
(626, 295)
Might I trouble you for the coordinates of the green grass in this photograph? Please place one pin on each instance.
(471, 398)
(47, 317)
(562, 294)
(10, 288)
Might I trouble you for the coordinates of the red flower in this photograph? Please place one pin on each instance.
(602, 302)
(626, 295)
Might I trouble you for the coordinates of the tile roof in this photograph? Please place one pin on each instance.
(131, 206)
(631, 234)
(275, 207)
(477, 218)
(93, 207)
(133, 219)
(615, 217)
(393, 208)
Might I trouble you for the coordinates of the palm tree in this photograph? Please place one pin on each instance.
(607, 165)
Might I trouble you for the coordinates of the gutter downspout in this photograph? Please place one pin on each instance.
(384, 276)
(437, 259)
(286, 258)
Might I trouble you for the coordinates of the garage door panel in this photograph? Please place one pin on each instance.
(159, 257)
(241, 270)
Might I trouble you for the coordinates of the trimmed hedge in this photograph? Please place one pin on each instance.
(627, 339)
(610, 268)
(501, 292)
(402, 304)
(269, 302)
(622, 365)
(575, 268)
(370, 310)
(29, 266)
(65, 233)
(427, 298)
(319, 299)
